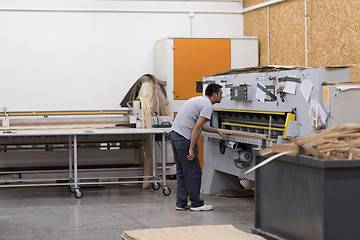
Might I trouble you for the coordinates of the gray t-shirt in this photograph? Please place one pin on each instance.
(189, 113)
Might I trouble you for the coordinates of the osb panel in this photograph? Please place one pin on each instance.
(249, 3)
(287, 34)
(255, 24)
(287, 38)
(334, 34)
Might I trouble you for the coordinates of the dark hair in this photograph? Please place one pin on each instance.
(212, 88)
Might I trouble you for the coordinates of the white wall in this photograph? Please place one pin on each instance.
(86, 54)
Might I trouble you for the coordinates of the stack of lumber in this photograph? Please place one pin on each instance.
(214, 232)
(339, 142)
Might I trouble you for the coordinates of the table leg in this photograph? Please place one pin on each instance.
(153, 155)
(78, 194)
(163, 158)
(70, 159)
(166, 189)
(70, 165)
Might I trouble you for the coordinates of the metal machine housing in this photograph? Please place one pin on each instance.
(280, 116)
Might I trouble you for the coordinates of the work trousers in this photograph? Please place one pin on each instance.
(188, 173)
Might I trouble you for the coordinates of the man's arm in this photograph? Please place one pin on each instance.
(221, 132)
(194, 137)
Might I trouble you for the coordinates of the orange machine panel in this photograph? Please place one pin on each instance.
(195, 58)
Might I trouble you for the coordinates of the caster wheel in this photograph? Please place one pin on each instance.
(78, 194)
(166, 191)
(155, 186)
(71, 189)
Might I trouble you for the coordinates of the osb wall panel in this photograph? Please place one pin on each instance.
(255, 24)
(287, 34)
(249, 3)
(334, 34)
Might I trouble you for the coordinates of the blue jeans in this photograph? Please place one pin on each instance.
(188, 173)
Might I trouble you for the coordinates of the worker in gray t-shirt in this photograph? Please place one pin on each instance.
(185, 131)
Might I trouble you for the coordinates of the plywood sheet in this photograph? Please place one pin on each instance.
(214, 232)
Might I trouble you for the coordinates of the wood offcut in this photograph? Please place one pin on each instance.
(339, 142)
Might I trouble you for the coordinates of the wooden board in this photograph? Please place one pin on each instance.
(245, 134)
(213, 232)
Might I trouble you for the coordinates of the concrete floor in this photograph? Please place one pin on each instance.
(105, 212)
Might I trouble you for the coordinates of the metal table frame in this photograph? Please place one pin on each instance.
(74, 181)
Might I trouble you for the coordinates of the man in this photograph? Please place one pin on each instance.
(185, 131)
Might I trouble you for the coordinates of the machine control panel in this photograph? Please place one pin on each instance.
(240, 93)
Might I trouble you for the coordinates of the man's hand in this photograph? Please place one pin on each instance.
(191, 155)
(222, 132)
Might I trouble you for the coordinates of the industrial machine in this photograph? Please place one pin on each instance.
(266, 105)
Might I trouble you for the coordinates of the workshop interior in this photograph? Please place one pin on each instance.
(90, 90)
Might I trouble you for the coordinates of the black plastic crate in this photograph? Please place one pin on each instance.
(301, 197)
